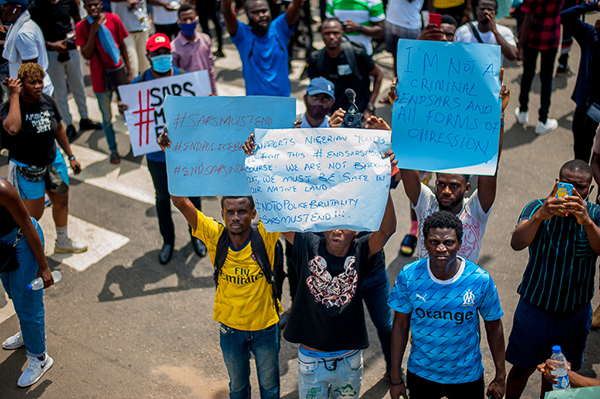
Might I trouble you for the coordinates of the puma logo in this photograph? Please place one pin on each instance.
(422, 297)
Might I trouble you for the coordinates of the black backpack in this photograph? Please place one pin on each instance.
(348, 48)
(274, 276)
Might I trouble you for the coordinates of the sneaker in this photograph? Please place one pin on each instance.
(14, 342)
(522, 117)
(562, 70)
(596, 318)
(34, 371)
(88, 124)
(69, 246)
(543, 128)
(71, 133)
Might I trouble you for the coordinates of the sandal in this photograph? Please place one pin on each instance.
(115, 158)
(409, 243)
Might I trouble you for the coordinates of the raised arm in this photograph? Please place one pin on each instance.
(400, 330)
(377, 75)
(495, 337)
(12, 122)
(231, 22)
(379, 238)
(88, 50)
(293, 12)
(412, 185)
(188, 210)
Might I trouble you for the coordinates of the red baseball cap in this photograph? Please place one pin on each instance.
(156, 41)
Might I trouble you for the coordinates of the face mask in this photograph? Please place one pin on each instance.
(188, 29)
(258, 29)
(162, 63)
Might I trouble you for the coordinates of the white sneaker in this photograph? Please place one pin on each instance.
(14, 342)
(34, 371)
(69, 246)
(543, 128)
(522, 117)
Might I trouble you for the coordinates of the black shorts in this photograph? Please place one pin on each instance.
(421, 388)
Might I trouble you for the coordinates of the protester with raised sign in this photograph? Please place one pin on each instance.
(327, 317)
(438, 300)
(563, 238)
(158, 51)
(191, 49)
(348, 66)
(245, 306)
(486, 30)
(450, 196)
(262, 45)
(100, 37)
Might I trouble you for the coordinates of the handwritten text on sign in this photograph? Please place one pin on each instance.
(320, 179)
(146, 117)
(207, 135)
(447, 116)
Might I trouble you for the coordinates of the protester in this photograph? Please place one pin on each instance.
(450, 196)
(24, 41)
(134, 16)
(23, 232)
(262, 45)
(32, 119)
(361, 20)
(347, 66)
(191, 49)
(164, 17)
(54, 19)
(158, 51)
(575, 380)
(439, 299)
(587, 88)
(445, 33)
(540, 34)
(563, 238)
(486, 30)
(319, 98)
(100, 37)
(207, 9)
(331, 270)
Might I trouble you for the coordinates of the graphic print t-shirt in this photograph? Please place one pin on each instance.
(472, 216)
(327, 312)
(444, 321)
(244, 299)
(34, 144)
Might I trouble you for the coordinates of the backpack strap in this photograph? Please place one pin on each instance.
(321, 61)
(260, 253)
(351, 58)
(221, 253)
(474, 31)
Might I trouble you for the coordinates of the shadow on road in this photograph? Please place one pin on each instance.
(146, 270)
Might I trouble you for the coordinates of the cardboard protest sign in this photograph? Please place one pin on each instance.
(577, 393)
(207, 135)
(320, 179)
(447, 116)
(145, 117)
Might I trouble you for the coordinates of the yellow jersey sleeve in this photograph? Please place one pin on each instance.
(208, 230)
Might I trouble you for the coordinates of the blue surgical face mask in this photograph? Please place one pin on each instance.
(188, 29)
(162, 63)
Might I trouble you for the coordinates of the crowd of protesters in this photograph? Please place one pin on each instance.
(435, 302)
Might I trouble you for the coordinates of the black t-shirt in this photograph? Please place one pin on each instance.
(327, 312)
(54, 19)
(34, 144)
(339, 72)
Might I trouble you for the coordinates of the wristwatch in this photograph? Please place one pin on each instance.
(370, 107)
(71, 158)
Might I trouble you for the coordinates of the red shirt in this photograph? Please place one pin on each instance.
(100, 59)
(545, 29)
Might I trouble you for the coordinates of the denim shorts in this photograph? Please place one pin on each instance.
(536, 331)
(56, 180)
(335, 377)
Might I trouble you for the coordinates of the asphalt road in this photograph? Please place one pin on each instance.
(120, 325)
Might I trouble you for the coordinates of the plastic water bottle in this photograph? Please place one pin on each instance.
(559, 361)
(142, 16)
(38, 283)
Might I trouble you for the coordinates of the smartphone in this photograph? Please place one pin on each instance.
(563, 190)
(435, 19)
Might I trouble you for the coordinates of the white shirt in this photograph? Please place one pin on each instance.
(472, 216)
(306, 124)
(164, 17)
(130, 20)
(465, 35)
(405, 13)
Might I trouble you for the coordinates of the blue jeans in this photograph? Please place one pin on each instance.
(104, 105)
(29, 305)
(329, 377)
(376, 291)
(236, 346)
